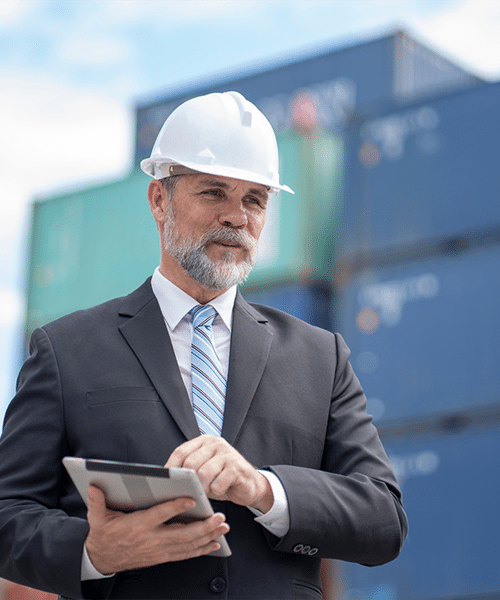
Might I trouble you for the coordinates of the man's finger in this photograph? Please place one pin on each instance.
(206, 444)
(160, 513)
(156, 515)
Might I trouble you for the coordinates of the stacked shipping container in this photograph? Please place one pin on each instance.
(418, 304)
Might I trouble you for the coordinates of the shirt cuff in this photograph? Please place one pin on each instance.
(277, 519)
(88, 569)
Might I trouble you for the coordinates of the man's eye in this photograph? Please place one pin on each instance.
(256, 201)
(217, 193)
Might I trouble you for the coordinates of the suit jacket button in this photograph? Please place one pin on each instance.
(298, 548)
(312, 551)
(218, 585)
(305, 550)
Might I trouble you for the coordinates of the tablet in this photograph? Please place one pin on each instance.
(132, 486)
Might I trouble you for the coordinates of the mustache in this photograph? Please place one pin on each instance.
(225, 234)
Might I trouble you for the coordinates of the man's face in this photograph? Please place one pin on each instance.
(212, 228)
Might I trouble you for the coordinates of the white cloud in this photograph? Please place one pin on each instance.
(11, 307)
(468, 32)
(53, 132)
(54, 136)
(175, 11)
(11, 11)
(93, 51)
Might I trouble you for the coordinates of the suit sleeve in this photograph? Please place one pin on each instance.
(40, 545)
(350, 509)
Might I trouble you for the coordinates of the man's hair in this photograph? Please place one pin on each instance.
(170, 184)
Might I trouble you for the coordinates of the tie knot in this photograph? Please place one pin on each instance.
(203, 315)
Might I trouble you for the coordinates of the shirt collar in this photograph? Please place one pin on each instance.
(175, 303)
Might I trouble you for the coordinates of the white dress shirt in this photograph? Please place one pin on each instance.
(175, 305)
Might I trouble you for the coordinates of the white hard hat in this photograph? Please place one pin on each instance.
(220, 134)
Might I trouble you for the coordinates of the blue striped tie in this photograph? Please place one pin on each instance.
(208, 381)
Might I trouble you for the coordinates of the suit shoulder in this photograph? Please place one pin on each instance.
(296, 335)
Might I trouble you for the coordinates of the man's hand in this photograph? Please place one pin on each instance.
(223, 472)
(120, 541)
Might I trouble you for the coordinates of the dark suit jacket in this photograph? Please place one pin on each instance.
(104, 383)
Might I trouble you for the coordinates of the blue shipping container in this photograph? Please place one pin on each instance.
(311, 303)
(424, 173)
(450, 487)
(365, 77)
(424, 334)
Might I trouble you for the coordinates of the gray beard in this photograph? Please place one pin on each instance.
(192, 257)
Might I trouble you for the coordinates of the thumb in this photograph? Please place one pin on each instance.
(96, 503)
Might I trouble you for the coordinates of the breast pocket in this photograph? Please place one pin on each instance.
(125, 423)
(121, 394)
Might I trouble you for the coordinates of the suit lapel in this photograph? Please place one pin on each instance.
(146, 334)
(250, 344)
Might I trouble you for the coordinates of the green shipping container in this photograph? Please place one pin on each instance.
(89, 246)
(298, 242)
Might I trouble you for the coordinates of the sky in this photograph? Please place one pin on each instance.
(73, 71)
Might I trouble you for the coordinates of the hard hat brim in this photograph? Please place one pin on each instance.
(159, 168)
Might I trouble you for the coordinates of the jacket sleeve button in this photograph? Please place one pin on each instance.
(298, 548)
(312, 551)
(305, 550)
(218, 585)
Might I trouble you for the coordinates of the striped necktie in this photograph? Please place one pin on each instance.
(208, 381)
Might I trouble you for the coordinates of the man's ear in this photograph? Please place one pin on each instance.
(157, 198)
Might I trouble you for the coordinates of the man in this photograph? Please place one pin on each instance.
(288, 454)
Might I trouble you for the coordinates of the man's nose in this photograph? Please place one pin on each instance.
(233, 216)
